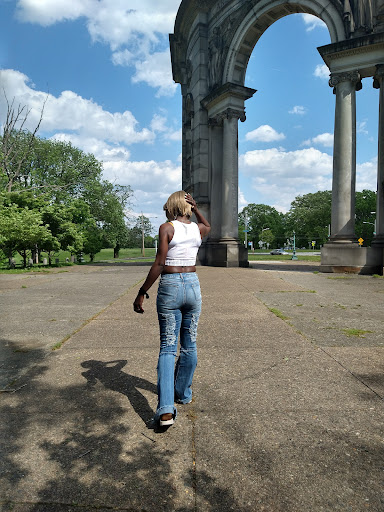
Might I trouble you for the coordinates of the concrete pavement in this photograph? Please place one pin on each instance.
(288, 395)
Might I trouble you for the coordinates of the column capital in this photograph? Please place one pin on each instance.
(348, 76)
(229, 113)
(378, 76)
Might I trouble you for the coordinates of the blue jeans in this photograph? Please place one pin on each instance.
(178, 309)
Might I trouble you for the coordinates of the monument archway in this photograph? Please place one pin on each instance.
(210, 49)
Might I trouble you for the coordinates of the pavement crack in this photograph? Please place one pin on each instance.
(351, 373)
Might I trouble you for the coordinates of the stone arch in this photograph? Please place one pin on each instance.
(210, 49)
(261, 17)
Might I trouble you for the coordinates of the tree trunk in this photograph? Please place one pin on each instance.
(116, 251)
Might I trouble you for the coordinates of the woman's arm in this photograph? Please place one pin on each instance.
(202, 222)
(165, 236)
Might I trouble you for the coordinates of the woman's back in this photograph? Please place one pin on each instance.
(185, 243)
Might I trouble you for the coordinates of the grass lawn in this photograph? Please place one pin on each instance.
(128, 255)
(286, 257)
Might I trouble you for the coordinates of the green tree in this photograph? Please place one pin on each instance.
(68, 234)
(267, 237)
(16, 145)
(142, 225)
(310, 216)
(54, 175)
(21, 230)
(259, 217)
(93, 240)
(365, 215)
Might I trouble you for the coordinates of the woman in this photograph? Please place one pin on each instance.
(178, 302)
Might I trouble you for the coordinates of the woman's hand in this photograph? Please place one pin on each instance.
(190, 201)
(138, 304)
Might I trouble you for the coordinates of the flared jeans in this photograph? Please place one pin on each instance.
(178, 309)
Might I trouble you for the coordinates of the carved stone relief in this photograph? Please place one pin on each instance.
(219, 43)
(215, 55)
(361, 16)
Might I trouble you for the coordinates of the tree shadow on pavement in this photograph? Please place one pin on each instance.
(15, 360)
(72, 445)
(110, 375)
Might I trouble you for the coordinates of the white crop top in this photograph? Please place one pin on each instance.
(182, 249)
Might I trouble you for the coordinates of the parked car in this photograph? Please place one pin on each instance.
(278, 252)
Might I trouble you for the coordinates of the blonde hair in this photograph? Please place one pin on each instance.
(177, 205)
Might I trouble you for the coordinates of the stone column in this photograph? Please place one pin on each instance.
(378, 83)
(230, 172)
(344, 157)
(216, 166)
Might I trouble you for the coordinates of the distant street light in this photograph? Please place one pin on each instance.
(372, 224)
(246, 232)
(294, 257)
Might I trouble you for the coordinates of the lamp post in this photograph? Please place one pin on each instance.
(246, 232)
(372, 224)
(142, 235)
(294, 257)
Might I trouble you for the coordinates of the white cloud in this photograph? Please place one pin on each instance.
(156, 71)
(103, 151)
(279, 176)
(361, 127)
(137, 36)
(71, 112)
(366, 175)
(264, 133)
(46, 12)
(112, 21)
(298, 109)
(159, 125)
(313, 22)
(321, 71)
(242, 201)
(324, 139)
(176, 135)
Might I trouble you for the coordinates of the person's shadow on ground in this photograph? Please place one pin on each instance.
(110, 375)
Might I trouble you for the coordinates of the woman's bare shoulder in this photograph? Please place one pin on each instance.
(167, 227)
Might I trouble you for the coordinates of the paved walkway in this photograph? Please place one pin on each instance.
(287, 413)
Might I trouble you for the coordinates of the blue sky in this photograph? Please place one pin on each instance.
(104, 67)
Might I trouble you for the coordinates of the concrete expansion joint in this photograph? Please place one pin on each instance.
(360, 379)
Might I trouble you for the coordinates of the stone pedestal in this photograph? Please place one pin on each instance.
(352, 258)
(226, 252)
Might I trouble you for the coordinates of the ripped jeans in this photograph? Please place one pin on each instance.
(178, 309)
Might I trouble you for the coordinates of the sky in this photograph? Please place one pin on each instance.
(103, 69)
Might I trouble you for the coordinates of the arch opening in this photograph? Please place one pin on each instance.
(210, 49)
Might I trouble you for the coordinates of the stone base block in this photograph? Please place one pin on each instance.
(223, 253)
(351, 258)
